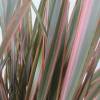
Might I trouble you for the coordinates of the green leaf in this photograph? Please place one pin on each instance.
(12, 27)
(32, 73)
(84, 34)
(93, 91)
(3, 62)
(87, 68)
(40, 21)
(96, 75)
(3, 92)
(72, 26)
(57, 37)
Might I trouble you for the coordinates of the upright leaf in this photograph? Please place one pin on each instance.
(84, 35)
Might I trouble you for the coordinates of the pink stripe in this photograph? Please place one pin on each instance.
(80, 31)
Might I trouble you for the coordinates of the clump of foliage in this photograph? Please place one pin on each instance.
(54, 59)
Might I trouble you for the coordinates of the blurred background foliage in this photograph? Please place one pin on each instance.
(49, 53)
